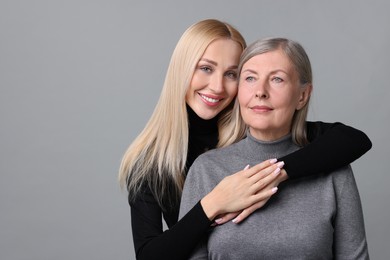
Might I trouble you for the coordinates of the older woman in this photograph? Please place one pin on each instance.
(319, 217)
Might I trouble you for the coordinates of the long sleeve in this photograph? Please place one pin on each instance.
(332, 145)
(151, 242)
(197, 185)
(349, 233)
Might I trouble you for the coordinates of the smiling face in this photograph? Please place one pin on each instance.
(269, 94)
(214, 82)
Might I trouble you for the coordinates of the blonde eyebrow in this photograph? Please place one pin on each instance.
(216, 63)
(209, 61)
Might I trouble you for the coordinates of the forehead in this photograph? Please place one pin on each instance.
(270, 61)
(223, 46)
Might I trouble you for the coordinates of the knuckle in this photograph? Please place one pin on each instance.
(260, 184)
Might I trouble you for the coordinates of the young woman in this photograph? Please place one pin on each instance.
(318, 217)
(191, 117)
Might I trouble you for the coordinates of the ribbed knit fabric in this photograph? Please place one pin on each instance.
(317, 217)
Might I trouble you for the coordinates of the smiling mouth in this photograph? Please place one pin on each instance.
(209, 99)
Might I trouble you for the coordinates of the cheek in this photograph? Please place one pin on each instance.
(243, 95)
(198, 80)
(294, 102)
(288, 109)
(193, 83)
(231, 90)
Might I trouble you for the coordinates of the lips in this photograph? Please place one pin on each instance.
(261, 109)
(210, 100)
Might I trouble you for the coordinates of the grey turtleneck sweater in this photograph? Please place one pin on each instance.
(317, 217)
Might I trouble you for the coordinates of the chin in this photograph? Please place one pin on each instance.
(207, 116)
(206, 113)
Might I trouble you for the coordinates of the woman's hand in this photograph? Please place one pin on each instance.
(239, 216)
(248, 189)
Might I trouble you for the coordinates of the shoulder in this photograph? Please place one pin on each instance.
(343, 180)
(142, 194)
(218, 155)
(213, 165)
(223, 151)
(342, 174)
(334, 182)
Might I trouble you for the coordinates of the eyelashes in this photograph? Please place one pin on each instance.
(231, 74)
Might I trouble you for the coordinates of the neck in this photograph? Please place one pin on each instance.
(270, 135)
(263, 150)
(200, 125)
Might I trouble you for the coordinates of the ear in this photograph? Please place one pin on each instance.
(304, 95)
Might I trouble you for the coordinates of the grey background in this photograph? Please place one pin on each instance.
(79, 79)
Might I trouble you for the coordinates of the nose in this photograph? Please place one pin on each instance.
(217, 83)
(261, 90)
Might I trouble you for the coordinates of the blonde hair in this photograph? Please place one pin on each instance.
(297, 55)
(158, 155)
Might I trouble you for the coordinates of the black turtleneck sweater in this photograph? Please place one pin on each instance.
(332, 146)
(203, 136)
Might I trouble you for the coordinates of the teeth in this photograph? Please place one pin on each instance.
(210, 99)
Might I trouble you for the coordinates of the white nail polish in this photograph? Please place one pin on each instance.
(280, 164)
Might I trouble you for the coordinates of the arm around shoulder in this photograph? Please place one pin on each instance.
(332, 145)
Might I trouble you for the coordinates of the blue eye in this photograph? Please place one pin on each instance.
(231, 74)
(206, 69)
(277, 79)
(249, 79)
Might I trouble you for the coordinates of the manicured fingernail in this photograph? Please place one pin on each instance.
(246, 167)
(280, 164)
(234, 220)
(218, 221)
(277, 170)
(274, 189)
(272, 161)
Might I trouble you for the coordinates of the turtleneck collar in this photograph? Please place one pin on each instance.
(203, 135)
(199, 125)
(270, 149)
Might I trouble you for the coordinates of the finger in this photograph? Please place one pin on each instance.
(262, 200)
(248, 211)
(259, 182)
(265, 193)
(258, 167)
(225, 218)
(267, 171)
(282, 176)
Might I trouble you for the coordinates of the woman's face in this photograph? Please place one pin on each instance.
(214, 82)
(269, 94)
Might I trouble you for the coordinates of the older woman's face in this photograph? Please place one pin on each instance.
(214, 83)
(269, 94)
